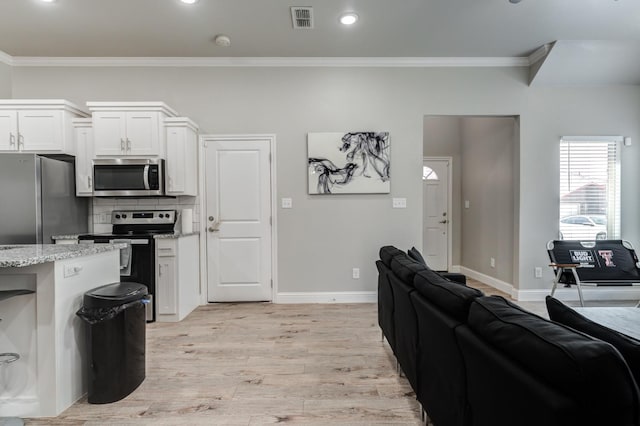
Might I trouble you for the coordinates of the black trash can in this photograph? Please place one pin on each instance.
(116, 338)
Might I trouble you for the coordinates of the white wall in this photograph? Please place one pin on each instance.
(487, 183)
(554, 113)
(5, 81)
(323, 237)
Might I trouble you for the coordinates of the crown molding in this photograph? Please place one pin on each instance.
(395, 62)
(6, 58)
(540, 53)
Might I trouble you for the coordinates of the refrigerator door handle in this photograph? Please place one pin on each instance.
(146, 177)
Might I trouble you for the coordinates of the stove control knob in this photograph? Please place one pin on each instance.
(117, 216)
(124, 216)
(161, 215)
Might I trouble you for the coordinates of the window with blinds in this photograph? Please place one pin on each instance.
(589, 188)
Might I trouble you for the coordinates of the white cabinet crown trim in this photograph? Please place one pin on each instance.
(42, 104)
(132, 106)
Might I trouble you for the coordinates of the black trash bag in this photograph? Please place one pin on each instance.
(96, 315)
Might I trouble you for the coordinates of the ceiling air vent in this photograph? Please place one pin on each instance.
(302, 17)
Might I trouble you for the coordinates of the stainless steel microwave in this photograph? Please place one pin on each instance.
(124, 177)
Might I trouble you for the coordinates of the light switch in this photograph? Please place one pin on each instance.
(287, 203)
(399, 203)
(466, 204)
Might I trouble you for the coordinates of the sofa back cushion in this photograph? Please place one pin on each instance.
(405, 268)
(628, 346)
(387, 253)
(415, 254)
(451, 297)
(590, 370)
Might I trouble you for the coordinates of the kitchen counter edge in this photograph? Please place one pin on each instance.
(21, 255)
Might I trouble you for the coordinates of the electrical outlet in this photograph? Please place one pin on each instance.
(538, 272)
(356, 273)
(287, 203)
(492, 262)
(399, 203)
(71, 270)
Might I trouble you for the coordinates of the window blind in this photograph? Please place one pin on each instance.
(589, 188)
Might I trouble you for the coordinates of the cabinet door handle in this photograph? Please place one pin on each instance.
(159, 269)
(89, 181)
(122, 144)
(128, 144)
(12, 139)
(20, 140)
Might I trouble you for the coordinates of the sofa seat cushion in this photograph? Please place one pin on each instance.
(628, 346)
(387, 253)
(591, 370)
(406, 268)
(451, 297)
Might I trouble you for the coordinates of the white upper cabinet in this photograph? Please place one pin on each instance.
(129, 128)
(39, 126)
(182, 156)
(84, 156)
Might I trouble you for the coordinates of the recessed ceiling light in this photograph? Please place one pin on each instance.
(189, 1)
(48, 1)
(349, 18)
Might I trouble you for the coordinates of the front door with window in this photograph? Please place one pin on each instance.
(435, 238)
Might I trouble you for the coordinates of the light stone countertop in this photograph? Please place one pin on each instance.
(175, 235)
(172, 235)
(18, 256)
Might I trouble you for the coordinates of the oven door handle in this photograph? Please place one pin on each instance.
(146, 177)
(132, 242)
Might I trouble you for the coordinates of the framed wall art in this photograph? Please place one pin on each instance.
(349, 163)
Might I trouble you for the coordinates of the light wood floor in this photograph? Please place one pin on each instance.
(257, 363)
(253, 364)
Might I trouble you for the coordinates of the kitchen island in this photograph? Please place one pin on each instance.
(43, 287)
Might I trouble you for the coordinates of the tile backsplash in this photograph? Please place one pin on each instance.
(102, 208)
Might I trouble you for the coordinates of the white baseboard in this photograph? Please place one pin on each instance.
(455, 269)
(571, 294)
(490, 281)
(562, 293)
(327, 297)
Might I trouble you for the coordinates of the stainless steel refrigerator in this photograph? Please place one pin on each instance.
(38, 200)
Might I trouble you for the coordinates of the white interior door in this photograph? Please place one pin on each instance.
(435, 238)
(238, 216)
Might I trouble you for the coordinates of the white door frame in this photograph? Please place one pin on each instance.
(449, 206)
(203, 206)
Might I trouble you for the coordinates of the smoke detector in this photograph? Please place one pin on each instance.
(222, 40)
(302, 17)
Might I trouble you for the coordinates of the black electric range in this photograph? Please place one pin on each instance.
(136, 228)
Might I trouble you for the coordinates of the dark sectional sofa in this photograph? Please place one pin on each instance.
(474, 360)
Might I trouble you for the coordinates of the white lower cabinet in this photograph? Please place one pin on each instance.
(177, 277)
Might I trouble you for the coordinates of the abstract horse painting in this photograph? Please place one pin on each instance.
(349, 163)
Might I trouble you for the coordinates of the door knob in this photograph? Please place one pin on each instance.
(212, 229)
(443, 221)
